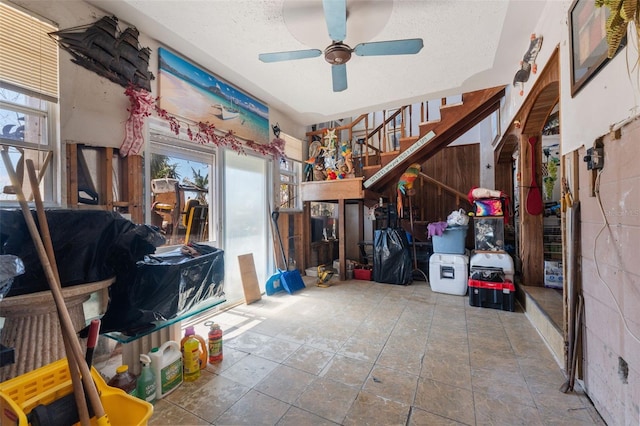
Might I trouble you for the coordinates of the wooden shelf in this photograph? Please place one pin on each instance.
(332, 190)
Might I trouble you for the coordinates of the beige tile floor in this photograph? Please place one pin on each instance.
(365, 353)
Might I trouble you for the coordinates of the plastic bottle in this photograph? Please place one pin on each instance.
(146, 388)
(124, 380)
(166, 363)
(215, 342)
(191, 356)
(190, 331)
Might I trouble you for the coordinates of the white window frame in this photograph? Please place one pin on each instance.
(290, 174)
(36, 77)
(163, 143)
(48, 142)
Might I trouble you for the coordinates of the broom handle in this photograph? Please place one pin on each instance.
(65, 319)
(78, 390)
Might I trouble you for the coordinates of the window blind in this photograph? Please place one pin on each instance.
(292, 147)
(28, 56)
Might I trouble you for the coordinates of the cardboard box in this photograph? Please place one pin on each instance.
(553, 274)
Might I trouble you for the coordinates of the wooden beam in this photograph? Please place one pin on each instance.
(72, 175)
(531, 226)
(441, 186)
(342, 233)
(134, 187)
(331, 190)
(107, 180)
(306, 234)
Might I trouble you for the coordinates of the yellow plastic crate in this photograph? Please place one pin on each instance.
(46, 384)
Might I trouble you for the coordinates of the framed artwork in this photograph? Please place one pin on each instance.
(396, 123)
(587, 41)
(190, 92)
(393, 140)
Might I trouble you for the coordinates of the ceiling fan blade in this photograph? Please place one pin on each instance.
(289, 56)
(392, 47)
(335, 13)
(339, 77)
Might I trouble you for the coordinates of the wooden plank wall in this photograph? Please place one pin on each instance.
(290, 225)
(457, 167)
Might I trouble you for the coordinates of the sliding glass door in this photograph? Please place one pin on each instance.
(245, 218)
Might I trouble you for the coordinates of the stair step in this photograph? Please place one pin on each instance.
(542, 321)
(451, 105)
(405, 143)
(369, 171)
(386, 157)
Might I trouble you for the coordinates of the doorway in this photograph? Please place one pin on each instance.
(245, 224)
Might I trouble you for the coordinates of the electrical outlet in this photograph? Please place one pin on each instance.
(594, 158)
(595, 163)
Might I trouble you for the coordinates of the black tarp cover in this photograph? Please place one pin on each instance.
(89, 246)
(94, 245)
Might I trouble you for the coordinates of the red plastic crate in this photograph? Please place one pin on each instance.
(362, 274)
(488, 294)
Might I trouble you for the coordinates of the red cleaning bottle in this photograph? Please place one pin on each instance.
(215, 342)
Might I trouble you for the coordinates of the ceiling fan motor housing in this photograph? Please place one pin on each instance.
(337, 53)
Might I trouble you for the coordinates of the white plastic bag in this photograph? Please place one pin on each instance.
(458, 218)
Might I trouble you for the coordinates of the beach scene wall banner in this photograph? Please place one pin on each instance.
(194, 94)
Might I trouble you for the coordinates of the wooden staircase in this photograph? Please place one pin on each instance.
(455, 120)
(381, 169)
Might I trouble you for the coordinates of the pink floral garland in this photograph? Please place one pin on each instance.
(141, 104)
(204, 132)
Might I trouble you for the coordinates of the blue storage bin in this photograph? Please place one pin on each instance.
(451, 241)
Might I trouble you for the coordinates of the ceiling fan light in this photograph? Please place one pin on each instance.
(337, 53)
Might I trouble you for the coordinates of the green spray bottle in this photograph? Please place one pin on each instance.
(146, 388)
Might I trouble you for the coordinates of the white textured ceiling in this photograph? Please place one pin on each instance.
(468, 45)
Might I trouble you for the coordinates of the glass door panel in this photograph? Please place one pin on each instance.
(245, 226)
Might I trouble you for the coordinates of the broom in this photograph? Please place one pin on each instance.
(291, 280)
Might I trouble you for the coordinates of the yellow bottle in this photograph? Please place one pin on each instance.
(190, 355)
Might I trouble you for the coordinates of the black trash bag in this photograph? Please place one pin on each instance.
(391, 257)
(89, 246)
(162, 287)
(10, 267)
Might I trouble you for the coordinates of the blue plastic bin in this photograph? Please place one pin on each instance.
(451, 241)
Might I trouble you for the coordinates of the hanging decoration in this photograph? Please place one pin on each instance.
(622, 13)
(405, 184)
(528, 63)
(142, 106)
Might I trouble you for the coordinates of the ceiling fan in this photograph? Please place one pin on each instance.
(338, 53)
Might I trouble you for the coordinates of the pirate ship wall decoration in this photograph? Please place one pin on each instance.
(102, 48)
